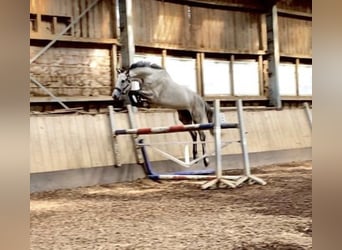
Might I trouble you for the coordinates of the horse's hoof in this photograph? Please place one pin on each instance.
(206, 161)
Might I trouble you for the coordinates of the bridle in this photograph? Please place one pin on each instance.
(123, 91)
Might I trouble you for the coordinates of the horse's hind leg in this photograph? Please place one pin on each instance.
(198, 116)
(202, 138)
(185, 117)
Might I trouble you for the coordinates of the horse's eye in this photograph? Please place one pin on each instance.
(122, 81)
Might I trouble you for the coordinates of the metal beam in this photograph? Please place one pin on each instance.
(273, 56)
(126, 32)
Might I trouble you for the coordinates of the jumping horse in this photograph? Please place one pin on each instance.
(159, 90)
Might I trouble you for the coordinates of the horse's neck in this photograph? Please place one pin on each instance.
(141, 72)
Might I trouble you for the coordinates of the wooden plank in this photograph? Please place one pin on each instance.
(75, 12)
(47, 37)
(105, 138)
(77, 154)
(37, 158)
(113, 19)
(295, 14)
(82, 22)
(44, 145)
(262, 33)
(33, 6)
(108, 18)
(68, 139)
(261, 75)
(90, 139)
(59, 143)
(231, 74)
(229, 31)
(84, 142)
(51, 140)
(92, 26)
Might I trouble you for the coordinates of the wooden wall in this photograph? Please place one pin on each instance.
(72, 72)
(303, 6)
(71, 141)
(83, 63)
(295, 37)
(100, 22)
(221, 26)
(82, 66)
(171, 25)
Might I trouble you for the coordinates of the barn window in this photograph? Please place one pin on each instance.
(287, 79)
(246, 78)
(216, 77)
(182, 71)
(305, 80)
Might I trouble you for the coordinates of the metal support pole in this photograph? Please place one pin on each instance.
(243, 141)
(47, 91)
(126, 32)
(273, 55)
(63, 31)
(217, 134)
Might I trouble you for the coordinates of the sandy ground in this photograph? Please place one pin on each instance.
(179, 215)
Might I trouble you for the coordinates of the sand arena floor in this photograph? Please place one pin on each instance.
(179, 215)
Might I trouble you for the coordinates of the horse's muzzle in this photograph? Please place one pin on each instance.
(116, 94)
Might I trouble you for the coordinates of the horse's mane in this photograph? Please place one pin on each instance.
(142, 64)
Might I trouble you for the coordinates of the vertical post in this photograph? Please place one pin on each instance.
(297, 76)
(114, 64)
(199, 73)
(135, 138)
(231, 75)
(217, 133)
(243, 140)
(273, 55)
(114, 138)
(126, 32)
(261, 76)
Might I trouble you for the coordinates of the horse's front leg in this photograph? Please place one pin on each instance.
(194, 145)
(147, 94)
(202, 138)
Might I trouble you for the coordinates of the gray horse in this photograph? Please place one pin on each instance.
(159, 90)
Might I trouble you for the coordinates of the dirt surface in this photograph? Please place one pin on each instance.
(179, 215)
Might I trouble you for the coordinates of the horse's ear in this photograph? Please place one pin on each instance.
(119, 71)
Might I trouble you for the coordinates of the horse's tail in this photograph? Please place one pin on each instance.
(210, 115)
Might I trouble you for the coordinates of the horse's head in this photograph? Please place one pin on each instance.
(123, 85)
